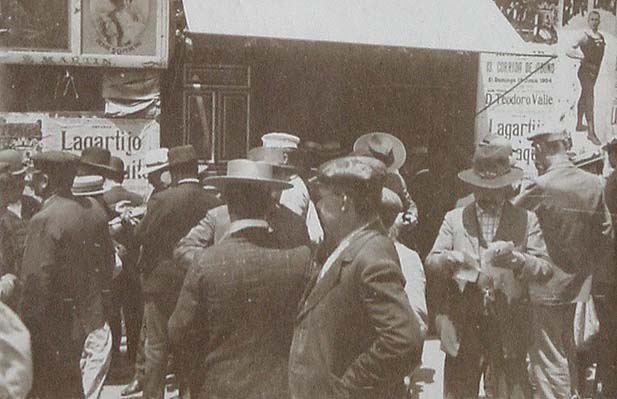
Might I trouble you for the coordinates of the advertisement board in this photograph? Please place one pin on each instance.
(128, 139)
(575, 90)
(109, 33)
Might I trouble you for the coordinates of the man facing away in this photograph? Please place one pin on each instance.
(241, 294)
(68, 260)
(356, 335)
(572, 215)
(169, 216)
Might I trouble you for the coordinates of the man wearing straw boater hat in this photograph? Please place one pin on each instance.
(569, 204)
(487, 253)
(241, 294)
(68, 261)
(169, 216)
(288, 225)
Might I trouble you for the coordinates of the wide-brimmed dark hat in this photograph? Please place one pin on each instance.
(491, 165)
(383, 146)
(16, 163)
(181, 155)
(59, 163)
(97, 158)
(249, 172)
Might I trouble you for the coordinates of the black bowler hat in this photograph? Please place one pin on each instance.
(56, 163)
(181, 155)
(97, 158)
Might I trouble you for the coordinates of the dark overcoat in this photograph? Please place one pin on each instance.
(356, 335)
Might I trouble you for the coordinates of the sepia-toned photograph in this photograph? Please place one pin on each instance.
(350, 199)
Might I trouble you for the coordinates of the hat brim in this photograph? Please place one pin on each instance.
(273, 184)
(398, 148)
(470, 177)
(102, 168)
(90, 193)
(20, 171)
(152, 169)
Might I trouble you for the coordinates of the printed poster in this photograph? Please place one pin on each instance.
(128, 139)
(582, 102)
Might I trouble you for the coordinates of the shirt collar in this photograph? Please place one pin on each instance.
(15, 208)
(243, 224)
(559, 162)
(495, 211)
(189, 180)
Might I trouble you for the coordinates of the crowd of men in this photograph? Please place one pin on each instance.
(277, 280)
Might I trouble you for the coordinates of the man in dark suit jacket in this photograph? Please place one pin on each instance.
(169, 216)
(572, 214)
(241, 296)
(67, 262)
(356, 335)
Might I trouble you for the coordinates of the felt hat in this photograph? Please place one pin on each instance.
(280, 140)
(15, 161)
(181, 155)
(56, 162)
(89, 185)
(97, 158)
(249, 172)
(492, 168)
(383, 146)
(155, 160)
(117, 166)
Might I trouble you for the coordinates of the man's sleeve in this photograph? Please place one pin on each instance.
(38, 268)
(530, 197)
(537, 265)
(397, 347)
(443, 243)
(188, 308)
(200, 237)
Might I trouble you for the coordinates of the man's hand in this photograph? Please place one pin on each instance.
(511, 260)
(453, 261)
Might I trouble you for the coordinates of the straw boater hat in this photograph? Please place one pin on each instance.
(280, 140)
(383, 146)
(97, 158)
(280, 157)
(17, 167)
(84, 186)
(492, 168)
(246, 171)
(155, 160)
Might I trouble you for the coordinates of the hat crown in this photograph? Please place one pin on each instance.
(95, 155)
(248, 169)
(87, 185)
(353, 168)
(492, 158)
(282, 157)
(116, 164)
(14, 160)
(182, 154)
(280, 140)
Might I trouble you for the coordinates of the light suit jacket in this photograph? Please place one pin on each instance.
(460, 312)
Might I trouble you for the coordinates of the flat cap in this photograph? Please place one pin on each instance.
(354, 168)
(55, 162)
(549, 132)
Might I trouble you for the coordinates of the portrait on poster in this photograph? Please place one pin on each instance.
(123, 27)
(41, 25)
